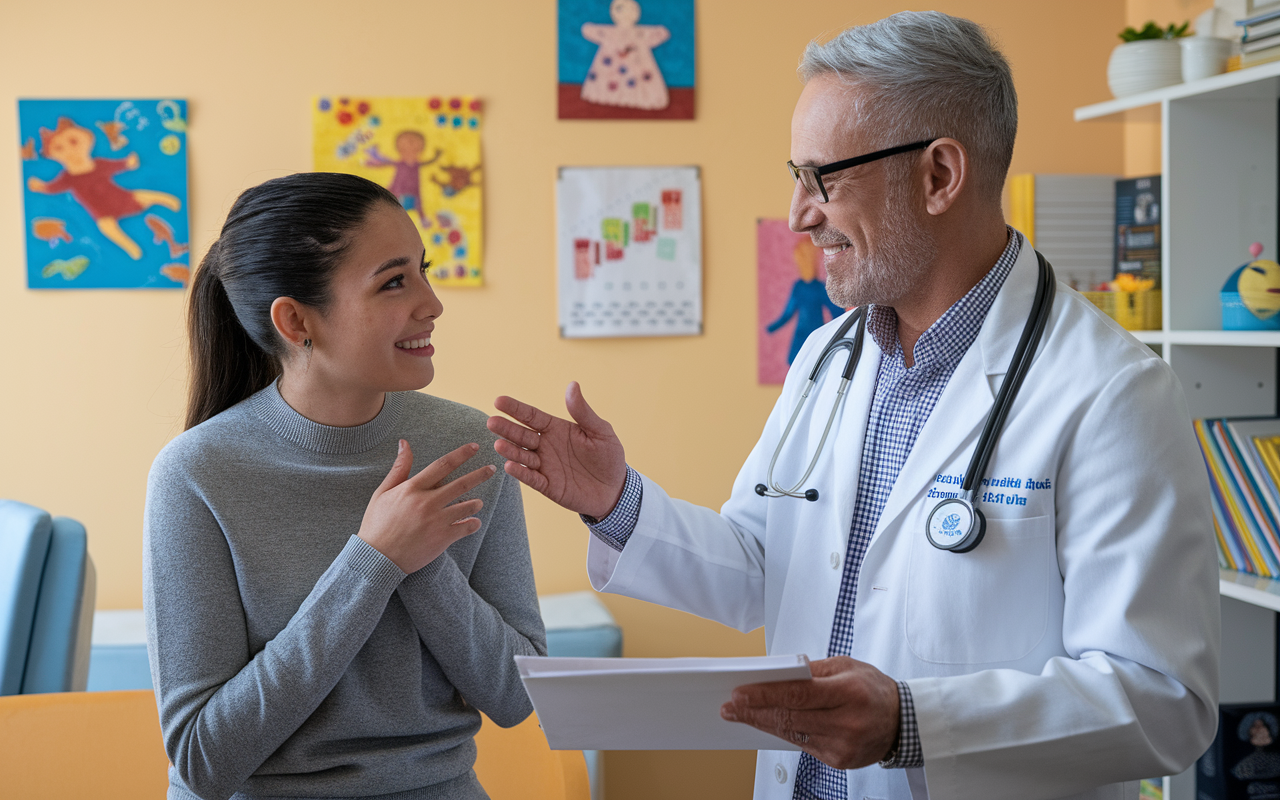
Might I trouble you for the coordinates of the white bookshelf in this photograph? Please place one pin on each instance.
(1221, 175)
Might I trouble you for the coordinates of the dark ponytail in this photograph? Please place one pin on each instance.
(282, 238)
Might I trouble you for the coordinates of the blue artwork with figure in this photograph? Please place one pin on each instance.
(104, 192)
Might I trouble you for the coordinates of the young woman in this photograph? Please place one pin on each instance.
(320, 627)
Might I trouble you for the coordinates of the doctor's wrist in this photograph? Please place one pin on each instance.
(906, 751)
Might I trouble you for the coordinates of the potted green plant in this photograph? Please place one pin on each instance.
(1147, 58)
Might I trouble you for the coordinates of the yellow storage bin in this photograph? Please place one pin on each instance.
(1135, 311)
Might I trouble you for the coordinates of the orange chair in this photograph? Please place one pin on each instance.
(104, 745)
(517, 764)
(107, 745)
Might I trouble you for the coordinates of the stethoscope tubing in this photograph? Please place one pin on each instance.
(838, 342)
(1020, 363)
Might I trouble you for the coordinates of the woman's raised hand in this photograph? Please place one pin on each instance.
(580, 466)
(413, 520)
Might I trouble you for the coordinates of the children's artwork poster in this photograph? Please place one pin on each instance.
(629, 251)
(792, 297)
(626, 59)
(104, 193)
(426, 150)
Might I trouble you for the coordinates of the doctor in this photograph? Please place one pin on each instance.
(1075, 649)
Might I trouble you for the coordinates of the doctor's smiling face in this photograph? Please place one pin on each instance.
(875, 243)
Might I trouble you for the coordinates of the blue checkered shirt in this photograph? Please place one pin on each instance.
(904, 398)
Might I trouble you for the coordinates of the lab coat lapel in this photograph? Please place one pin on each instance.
(957, 419)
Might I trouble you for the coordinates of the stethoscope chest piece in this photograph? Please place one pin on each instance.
(955, 525)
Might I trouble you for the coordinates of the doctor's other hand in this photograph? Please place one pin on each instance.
(413, 520)
(579, 465)
(846, 716)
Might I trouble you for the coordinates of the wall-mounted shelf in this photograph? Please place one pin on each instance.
(1211, 338)
(1241, 84)
(1264, 592)
(1220, 168)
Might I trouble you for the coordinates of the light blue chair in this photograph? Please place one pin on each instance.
(47, 593)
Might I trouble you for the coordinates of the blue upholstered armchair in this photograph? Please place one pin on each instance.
(47, 592)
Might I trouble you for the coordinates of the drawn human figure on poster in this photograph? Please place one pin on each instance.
(792, 297)
(426, 151)
(629, 251)
(104, 193)
(626, 59)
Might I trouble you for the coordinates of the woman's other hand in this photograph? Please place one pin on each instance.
(413, 520)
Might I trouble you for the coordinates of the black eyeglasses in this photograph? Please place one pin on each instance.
(811, 177)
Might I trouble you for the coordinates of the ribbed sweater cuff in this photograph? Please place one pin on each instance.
(364, 559)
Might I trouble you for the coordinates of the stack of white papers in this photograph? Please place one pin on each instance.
(650, 703)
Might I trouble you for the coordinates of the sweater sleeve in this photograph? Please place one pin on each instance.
(475, 625)
(224, 709)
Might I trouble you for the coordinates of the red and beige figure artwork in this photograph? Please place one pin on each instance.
(91, 182)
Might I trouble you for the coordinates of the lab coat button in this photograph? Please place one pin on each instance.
(780, 772)
(835, 560)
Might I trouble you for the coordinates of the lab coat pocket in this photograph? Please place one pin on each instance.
(986, 606)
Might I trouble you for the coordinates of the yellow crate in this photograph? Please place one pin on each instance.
(1135, 311)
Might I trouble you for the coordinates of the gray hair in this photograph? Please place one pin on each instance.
(928, 75)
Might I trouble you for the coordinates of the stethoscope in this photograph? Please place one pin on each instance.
(955, 524)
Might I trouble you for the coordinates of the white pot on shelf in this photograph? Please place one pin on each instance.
(1144, 65)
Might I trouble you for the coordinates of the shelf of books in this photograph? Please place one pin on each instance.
(1243, 459)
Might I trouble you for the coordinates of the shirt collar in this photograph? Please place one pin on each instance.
(947, 339)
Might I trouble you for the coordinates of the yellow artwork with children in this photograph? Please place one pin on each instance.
(426, 151)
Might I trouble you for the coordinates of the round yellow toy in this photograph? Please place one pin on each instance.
(1251, 296)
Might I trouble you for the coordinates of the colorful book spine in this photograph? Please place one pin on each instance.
(1241, 548)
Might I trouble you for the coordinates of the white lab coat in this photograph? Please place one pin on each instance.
(1075, 649)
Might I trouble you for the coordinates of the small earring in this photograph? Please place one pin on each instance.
(306, 343)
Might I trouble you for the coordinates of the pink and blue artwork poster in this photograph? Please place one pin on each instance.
(626, 59)
(791, 296)
(104, 193)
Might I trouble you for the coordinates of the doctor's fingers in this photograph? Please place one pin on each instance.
(787, 694)
(533, 479)
(535, 418)
(520, 455)
(514, 432)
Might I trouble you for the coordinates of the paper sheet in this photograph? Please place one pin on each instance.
(650, 703)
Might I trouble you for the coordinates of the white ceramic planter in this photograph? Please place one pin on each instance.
(1144, 65)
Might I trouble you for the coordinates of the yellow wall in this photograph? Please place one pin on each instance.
(91, 383)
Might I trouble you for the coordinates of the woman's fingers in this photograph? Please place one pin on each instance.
(442, 467)
(460, 511)
(448, 492)
(400, 469)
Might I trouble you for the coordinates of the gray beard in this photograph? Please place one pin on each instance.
(894, 270)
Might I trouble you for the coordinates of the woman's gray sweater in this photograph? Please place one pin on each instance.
(292, 659)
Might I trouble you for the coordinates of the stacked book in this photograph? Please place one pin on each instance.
(1071, 220)
(1260, 34)
(1243, 457)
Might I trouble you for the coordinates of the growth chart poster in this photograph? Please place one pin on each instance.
(626, 59)
(791, 296)
(629, 251)
(104, 193)
(426, 150)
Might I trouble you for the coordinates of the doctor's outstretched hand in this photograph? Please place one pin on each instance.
(578, 464)
(846, 716)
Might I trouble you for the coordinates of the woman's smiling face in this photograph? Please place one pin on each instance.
(376, 333)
